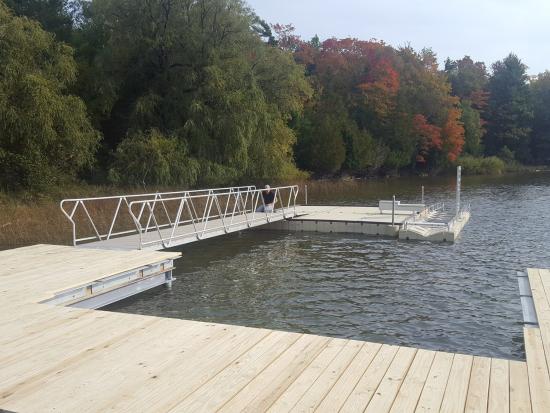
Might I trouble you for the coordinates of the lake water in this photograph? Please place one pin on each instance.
(460, 297)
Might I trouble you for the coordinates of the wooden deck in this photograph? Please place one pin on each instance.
(67, 359)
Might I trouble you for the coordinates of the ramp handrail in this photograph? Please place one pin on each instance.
(69, 207)
(239, 203)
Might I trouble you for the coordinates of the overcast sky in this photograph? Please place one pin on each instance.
(486, 30)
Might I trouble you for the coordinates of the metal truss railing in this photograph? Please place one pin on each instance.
(221, 212)
(85, 208)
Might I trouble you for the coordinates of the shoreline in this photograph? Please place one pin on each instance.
(36, 218)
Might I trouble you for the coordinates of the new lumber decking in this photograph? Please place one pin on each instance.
(68, 359)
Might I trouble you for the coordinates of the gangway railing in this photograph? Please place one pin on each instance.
(222, 212)
(118, 206)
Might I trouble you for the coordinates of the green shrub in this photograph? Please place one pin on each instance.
(481, 166)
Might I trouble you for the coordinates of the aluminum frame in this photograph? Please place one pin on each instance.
(147, 210)
(246, 204)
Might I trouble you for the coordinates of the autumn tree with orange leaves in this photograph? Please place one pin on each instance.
(394, 107)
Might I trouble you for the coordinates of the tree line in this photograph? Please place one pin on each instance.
(205, 92)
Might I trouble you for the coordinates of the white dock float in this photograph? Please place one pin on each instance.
(372, 221)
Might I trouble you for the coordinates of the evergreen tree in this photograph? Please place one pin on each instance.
(540, 89)
(509, 112)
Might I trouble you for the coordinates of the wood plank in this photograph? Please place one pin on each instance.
(520, 400)
(542, 306)
(303, 382)
(185, 371)
(71, 332)
(540, 299)
(60, 276)
(28, 376)
(539, 378)
(388, 388)
(454, 398)
(215, 393)
(32, 319)
(436, 383)
(315, 394)
(111, 376)
(412, 386)
(267, 387)
(367, 385)
(337, 396)
(478, 390)
(499, 389)
(544, 275)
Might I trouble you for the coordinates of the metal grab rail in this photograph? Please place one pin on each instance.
(459, 215)
(430, 209)
(412, 220)
(69, 207)
(241, 203)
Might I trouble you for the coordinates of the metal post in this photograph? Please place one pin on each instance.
(305, 192)
(393, 211)
(422, 194)
(458, 185)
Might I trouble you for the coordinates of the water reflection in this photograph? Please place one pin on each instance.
(461, 297)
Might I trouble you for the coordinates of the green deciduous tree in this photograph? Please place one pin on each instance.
(152, 157)
(473, 129)
(424, 92)
(45, 134)
(197, 71)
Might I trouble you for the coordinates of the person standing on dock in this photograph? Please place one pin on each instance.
(269, 200)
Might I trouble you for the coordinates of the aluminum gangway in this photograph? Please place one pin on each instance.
(168, 219)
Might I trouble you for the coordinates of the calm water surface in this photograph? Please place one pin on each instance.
(460, 297)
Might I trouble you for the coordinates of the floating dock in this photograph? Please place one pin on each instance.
(376, 221)
(63, 358)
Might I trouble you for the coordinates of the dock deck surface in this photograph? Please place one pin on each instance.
(349, 214)
(68, 359)
(169, 237)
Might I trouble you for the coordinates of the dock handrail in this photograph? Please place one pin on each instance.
(430, 209)
(464, 209)
(70, 206)
(414, 219)
(244, 203)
